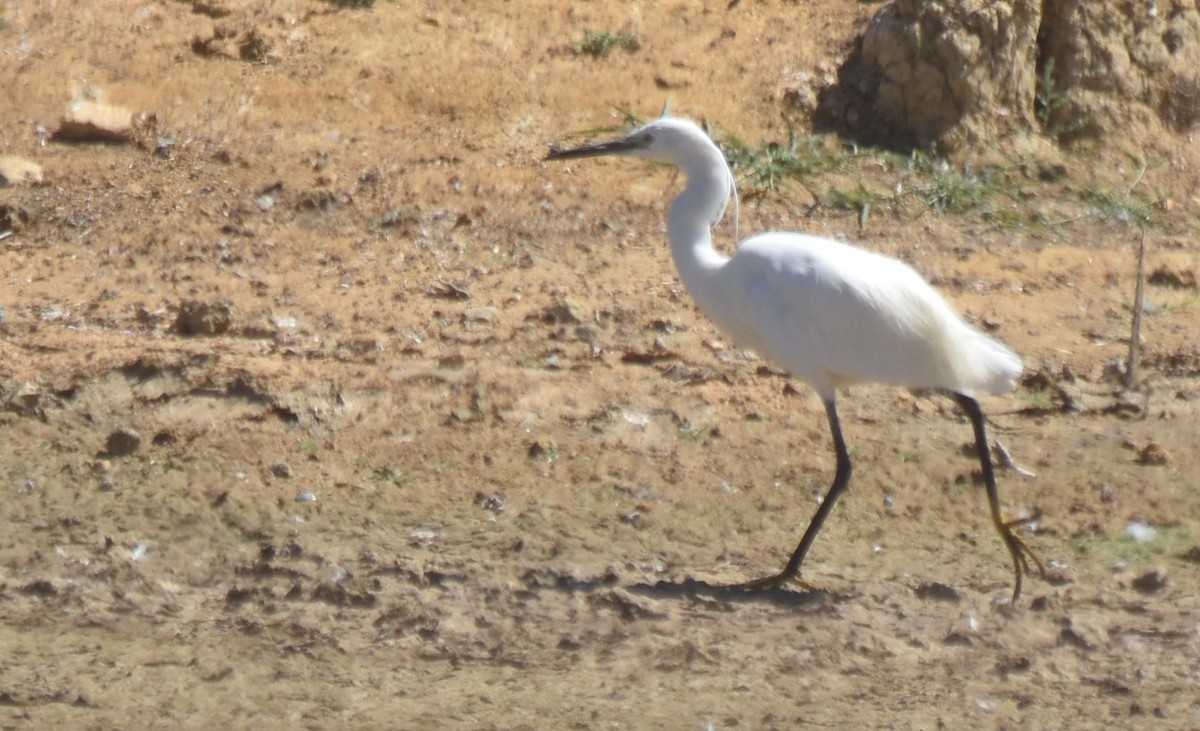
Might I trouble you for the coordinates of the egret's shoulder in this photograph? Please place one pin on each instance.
(799, 267)
(806, 251)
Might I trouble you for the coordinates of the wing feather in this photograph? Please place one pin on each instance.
(834, 314)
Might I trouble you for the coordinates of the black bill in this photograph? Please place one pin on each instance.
(595, 149)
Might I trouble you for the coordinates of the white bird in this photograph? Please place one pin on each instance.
(831, 314)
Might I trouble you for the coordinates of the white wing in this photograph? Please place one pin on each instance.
(832, 314)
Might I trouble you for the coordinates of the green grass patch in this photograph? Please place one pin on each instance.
(1018, 192)
(1051, 106)
(388, 474)
(1168, 543)
(601, 43)
(769, 167)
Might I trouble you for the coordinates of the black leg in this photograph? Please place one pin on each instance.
(841, 479)
(1020, 552)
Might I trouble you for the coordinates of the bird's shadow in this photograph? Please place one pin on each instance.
(689, 588)
(685, 588)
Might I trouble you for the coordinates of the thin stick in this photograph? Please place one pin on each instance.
(1135, 337)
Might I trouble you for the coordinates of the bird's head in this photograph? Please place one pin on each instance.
(677, 142)
(668, 139)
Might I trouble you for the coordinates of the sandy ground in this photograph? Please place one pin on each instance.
(440, 441)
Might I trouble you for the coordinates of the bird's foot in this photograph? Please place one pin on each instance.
(1018, 547)
(1020, 551)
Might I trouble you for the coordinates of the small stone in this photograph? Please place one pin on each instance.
(306, 496)
(491, 502)
(27, 399)
(423, 535)
(86, 121)
(122, 442)
(1084, 632)
(480, 314)
(19, 171)
(267, 197)
(281, 469)
(139, 550)
(1140, 531)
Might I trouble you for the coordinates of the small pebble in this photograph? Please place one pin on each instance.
(1141, 532)
(492, 502)
(423, 535)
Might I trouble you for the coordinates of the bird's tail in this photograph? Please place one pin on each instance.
(996, 367)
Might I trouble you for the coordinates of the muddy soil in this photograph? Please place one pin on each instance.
(327, 404)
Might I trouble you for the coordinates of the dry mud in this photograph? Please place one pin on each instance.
(327, 404)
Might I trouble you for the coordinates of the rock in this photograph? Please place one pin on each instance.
(938, 73)
(19, 171)
(480, 315)
(949, 74)
(86, 121)
(1122, 69)
(1084, 631)
(27, 399)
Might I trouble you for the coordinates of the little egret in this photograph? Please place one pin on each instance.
(831, 314)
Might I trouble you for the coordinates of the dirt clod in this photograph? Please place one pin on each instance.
(203, 317)
(1151, 582)
(122, 443)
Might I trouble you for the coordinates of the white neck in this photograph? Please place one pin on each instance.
(691, 217)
